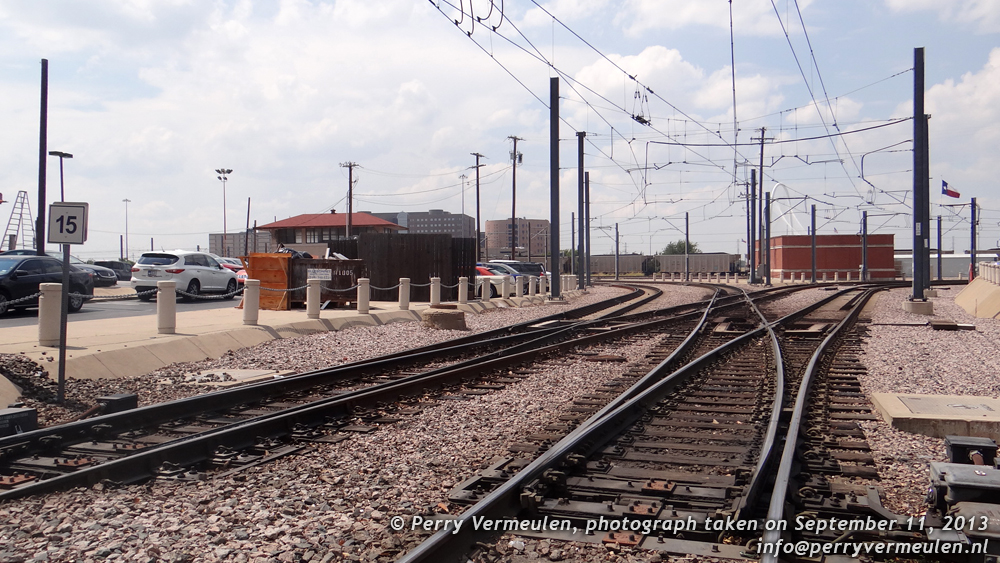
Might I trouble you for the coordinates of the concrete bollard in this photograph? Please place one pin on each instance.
(518, 288)
(463, 290)
(505, 287)
(484, 289)
(824, 276)
(312, 299)
(541, 284)
(836, 277)
(435, 291)
(364, 295)
(49, 313)
(166, 307)
(404, 294)
(532, 286)
(848, 276)
(251, 302)
(802, 277)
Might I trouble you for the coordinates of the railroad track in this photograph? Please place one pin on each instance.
(250, 425)
(714, 459)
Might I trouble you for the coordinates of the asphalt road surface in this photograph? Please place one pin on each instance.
(104, 308)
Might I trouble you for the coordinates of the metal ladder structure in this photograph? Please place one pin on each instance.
(20, 226)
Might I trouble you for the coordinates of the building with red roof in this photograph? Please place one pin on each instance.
(311, 228)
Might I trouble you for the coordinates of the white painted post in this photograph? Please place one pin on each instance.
(404, 294)
(541, 284)
(364, 295)
(836, 277)
(49, 313)
(312, 299)
(532, 286)
(435, 291)
(824, 276)
(463, 290)
(848, 276)
(166, 307)
(802, 277)
(484, 289)
(518, 288)
(251, 302)
(505, 287)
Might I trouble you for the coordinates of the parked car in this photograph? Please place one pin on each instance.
(496, 281)
(194, 272)
(102, 276)
(121, 269)
(507, 269)
(21, 274)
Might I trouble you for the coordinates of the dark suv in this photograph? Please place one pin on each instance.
(20, 276)
(121, 269)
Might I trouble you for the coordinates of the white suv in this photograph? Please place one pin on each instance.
(194, 272)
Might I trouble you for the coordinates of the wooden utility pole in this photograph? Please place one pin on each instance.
(350, 194)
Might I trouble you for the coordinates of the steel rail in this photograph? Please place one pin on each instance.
(509, 498)
(54, 437)
(200, 447)
(776, 508)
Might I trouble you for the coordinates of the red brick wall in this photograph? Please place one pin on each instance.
(834, 254)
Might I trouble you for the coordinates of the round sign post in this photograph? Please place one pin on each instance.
(67, 226)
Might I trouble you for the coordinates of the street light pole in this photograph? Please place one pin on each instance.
(62, 187)
(223, 177)
(127, 201)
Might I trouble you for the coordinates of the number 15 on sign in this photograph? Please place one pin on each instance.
(68, 222)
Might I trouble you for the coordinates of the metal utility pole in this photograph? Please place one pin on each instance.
(616, 251)
(972, 245)
(581, 281)
(43, 128)
(554, 183)
(479, 235)
(864, 246)
(586, 210)
(766, 258)
(515, 158)
(752, 250)
(687, 246)
(350, 194)
(921, 181)
(572, 243)
(939, 248)
(62, 185)
(812, 234)
(246, 233)
(126, 201)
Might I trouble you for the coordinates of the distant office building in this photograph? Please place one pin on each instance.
(435, 221)
(237, 244)
(532, 239)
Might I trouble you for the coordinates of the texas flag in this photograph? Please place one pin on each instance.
(948, 191)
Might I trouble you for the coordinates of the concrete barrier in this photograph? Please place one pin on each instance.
(542, 282)
(166, 307)
(518, 289)
(463, 290)
(505, 287)
(404, 294)
(312, 299)
(364, 295)
(251, 302)
(435, 291)
(49, 313)
(532, 286)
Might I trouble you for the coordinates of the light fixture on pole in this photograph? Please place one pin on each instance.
(62, 187)
(223, 177)
(127, 201)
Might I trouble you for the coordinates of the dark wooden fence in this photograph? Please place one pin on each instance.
(420, 257)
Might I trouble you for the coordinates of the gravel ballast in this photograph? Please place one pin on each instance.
(334, 502)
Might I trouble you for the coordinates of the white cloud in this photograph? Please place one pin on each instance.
(750, 17)
(984, 15)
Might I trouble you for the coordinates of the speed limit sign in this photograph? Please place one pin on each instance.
(68, 222)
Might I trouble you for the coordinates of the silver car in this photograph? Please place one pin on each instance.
(194, 272)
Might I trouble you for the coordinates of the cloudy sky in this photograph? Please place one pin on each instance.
(151, 96)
